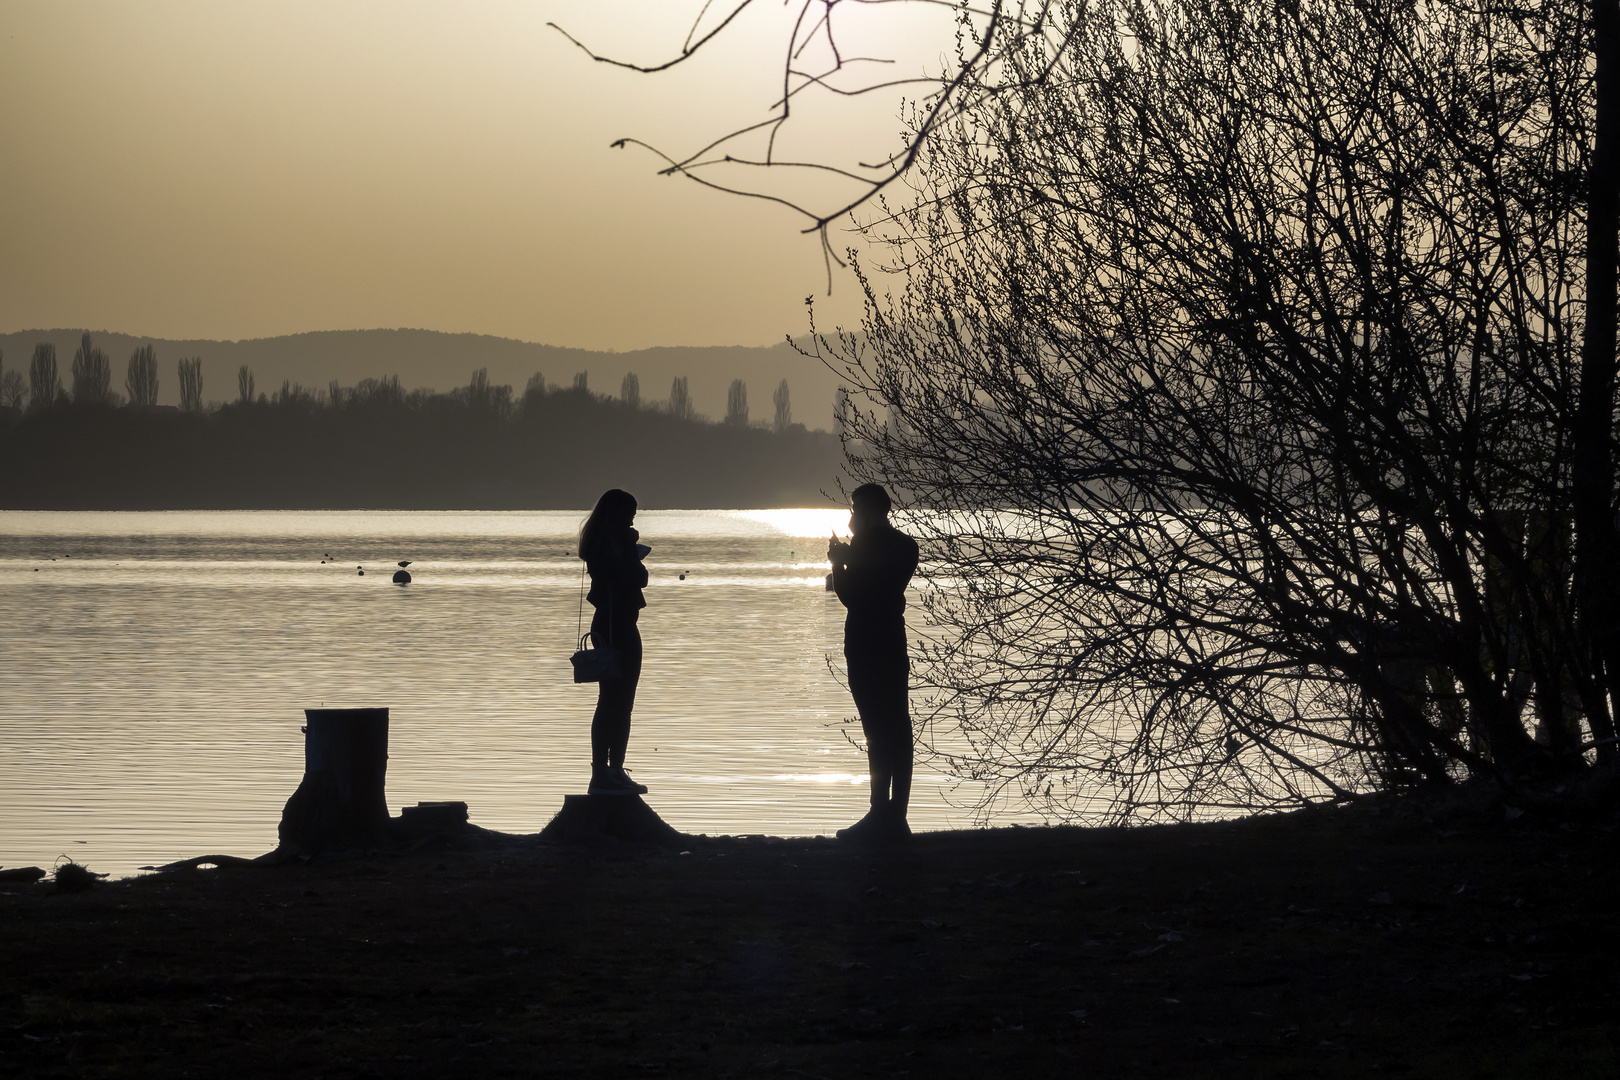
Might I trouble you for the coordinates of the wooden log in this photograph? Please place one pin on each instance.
(340, 804)
(427, 819)
(272, 858)
(593, 819)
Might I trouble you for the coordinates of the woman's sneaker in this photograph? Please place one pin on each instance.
(629, 785)
(605, 781)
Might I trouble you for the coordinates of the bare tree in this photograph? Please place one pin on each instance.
(13, 389)
(43, 385)
(386, 394)
(1237, 365)
(680, 400)
(582, 382)
(737, 403)
(534, 394)
(191, 382)
(92, 374)
(141, 379)
(630, 390)
(482, 397)
(296, 397)
(784, 407)
(244, 385)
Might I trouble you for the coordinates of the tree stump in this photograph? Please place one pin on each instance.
(339, 805)
(591, 819)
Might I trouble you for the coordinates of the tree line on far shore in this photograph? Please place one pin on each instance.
(377, 444)
(90, 384)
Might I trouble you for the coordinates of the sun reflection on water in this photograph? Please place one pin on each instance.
(825, 778)
(807, 522)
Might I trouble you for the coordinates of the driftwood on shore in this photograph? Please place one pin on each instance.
(273, 858)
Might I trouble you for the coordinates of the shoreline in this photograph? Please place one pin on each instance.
(1391, 937)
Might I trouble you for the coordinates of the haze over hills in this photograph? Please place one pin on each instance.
(441, 361)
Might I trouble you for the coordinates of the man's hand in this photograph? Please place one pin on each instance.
(837, 551)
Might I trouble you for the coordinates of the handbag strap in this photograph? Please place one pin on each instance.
(579, 622)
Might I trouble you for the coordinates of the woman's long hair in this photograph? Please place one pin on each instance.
(614, 510)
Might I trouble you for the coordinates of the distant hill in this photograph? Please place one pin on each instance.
(428, 358)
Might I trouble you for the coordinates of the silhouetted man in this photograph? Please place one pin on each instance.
(870, 574)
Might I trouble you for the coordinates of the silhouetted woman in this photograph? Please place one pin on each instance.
(611, 548)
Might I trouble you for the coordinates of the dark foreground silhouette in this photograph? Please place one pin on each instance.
(1330, 944)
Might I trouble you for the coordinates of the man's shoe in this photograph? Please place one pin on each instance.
(862, 830)
(877, 827)
(629, 785)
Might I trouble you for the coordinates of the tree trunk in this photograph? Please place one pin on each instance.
(1594, 459)
(340, 804)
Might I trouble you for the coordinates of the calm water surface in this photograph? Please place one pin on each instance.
(156, 666)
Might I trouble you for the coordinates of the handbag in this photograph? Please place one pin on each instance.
(593, 664)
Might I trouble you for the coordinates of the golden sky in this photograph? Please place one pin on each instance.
(246, 169)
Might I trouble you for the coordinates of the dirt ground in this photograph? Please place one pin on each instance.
(1365, 941)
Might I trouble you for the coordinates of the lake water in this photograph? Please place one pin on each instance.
(156, 666)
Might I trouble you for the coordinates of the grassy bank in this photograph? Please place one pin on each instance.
(1357, 942)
